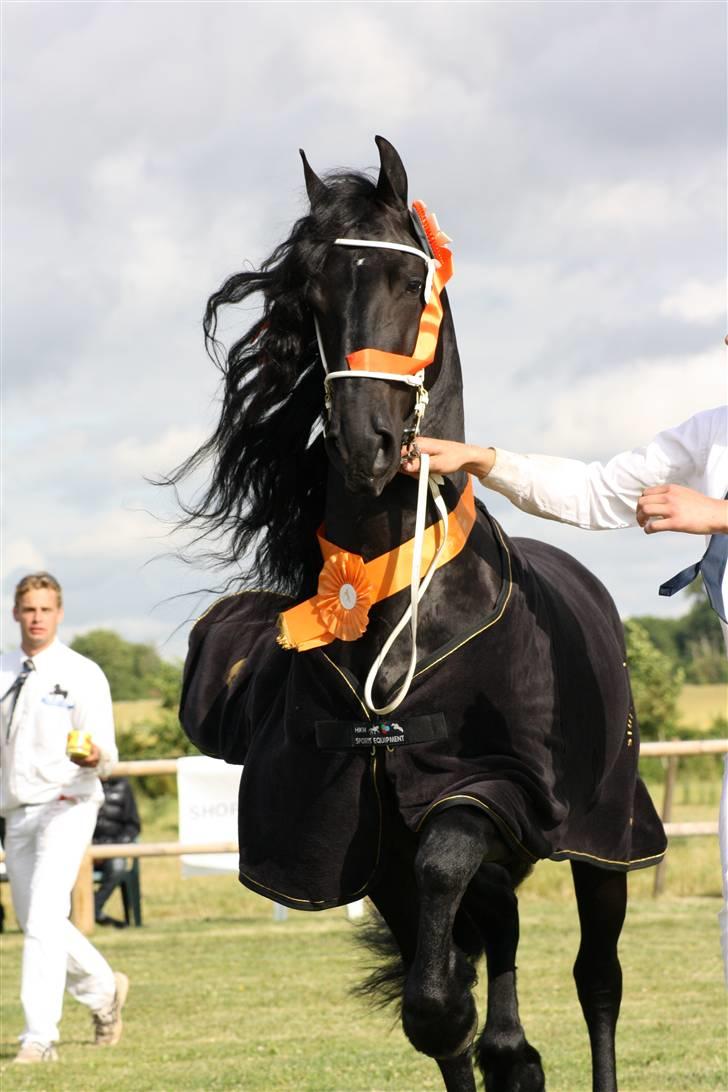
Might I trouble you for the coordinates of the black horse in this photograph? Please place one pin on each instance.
(516, 739)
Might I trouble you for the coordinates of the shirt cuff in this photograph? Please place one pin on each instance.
(105, 764)
(509, 474)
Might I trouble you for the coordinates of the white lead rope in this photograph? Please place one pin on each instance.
(417, 590)
(417, 587)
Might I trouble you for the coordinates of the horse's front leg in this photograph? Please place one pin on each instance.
(602, 901)
(438, 1010)
(506, 1058)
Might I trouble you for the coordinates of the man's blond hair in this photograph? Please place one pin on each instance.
(38, 580)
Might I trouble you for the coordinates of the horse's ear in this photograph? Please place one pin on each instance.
(392, 184)
(315, 188)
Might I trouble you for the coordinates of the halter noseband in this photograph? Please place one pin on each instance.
(396, 367)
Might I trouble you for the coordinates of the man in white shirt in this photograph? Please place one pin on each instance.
(677, 482)
(49, 801)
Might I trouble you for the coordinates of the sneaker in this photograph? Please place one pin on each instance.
(31, 1052)
(107, 1021)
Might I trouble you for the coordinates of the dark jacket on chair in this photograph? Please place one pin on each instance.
(118, 818)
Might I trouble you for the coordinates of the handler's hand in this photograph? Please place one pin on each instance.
(677, 508)
(91, 760)
(449, 456)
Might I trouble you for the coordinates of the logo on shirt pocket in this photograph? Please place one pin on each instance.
(58, 697)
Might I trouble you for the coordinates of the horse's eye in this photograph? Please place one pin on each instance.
(414, 287)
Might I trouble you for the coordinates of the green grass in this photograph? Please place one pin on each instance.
(698, 706)
(224, 998)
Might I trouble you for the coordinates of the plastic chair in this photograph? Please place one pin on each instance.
(131, 895)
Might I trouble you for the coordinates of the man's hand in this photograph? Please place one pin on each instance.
(448, 456)
(91, 760)
(677, 508)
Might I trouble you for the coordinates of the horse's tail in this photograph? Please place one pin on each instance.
(384, 984)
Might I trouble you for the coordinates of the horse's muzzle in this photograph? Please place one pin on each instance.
(368, 462)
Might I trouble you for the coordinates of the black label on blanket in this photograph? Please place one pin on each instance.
(347, 735)
(387, 733)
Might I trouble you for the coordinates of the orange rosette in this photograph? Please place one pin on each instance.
(344, 596)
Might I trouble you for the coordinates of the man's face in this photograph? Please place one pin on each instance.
(39, 615)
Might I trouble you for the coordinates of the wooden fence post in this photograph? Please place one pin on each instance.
(82, 896)
(669, 792)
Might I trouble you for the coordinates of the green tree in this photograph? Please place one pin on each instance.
(693, 641)
(656, 683)
(161, 735)
(700, 644)
(134, 671)
(137, 671)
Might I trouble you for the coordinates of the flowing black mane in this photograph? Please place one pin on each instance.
(265, 495)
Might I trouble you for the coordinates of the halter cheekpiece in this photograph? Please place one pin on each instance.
(347, 586)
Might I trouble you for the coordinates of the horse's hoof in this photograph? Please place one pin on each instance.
(511, 1069)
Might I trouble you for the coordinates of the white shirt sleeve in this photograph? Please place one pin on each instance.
(603, 496)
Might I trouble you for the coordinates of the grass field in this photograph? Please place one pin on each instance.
(224, 998)
(128, 714)
(699, 706)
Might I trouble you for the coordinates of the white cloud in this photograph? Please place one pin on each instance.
(635, 202)
(119, 174)
(112, 535)
(135, 456)
(23, 553)
(697, 301)
(621, 409)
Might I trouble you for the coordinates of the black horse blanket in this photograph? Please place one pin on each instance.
(529, 718)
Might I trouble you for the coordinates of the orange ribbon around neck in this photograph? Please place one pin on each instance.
(377, 360)
(348, 585)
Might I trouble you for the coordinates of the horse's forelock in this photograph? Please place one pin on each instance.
(353, 206)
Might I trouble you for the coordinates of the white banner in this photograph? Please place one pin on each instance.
(207, 789)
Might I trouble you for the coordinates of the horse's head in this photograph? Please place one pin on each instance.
(369, 297)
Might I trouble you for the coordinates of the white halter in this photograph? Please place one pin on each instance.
(417, 587)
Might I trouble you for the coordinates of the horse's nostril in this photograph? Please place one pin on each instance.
(385, 439)
(383, 457)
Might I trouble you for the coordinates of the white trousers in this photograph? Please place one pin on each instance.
(44, 846)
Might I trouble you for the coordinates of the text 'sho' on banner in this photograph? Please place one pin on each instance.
(208, 812)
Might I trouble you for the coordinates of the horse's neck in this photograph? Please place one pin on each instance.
(462, 593)
(370, 526)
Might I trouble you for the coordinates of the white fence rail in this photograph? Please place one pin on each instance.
(82, 913)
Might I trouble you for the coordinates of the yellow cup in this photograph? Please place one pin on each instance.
(78, 744)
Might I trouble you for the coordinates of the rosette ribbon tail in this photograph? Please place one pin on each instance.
(301, 629)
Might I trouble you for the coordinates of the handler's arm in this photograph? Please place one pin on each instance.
(597, 496)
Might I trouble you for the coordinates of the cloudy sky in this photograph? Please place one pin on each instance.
(575, 152)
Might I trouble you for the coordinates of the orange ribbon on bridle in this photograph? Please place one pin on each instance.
(439, 273)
